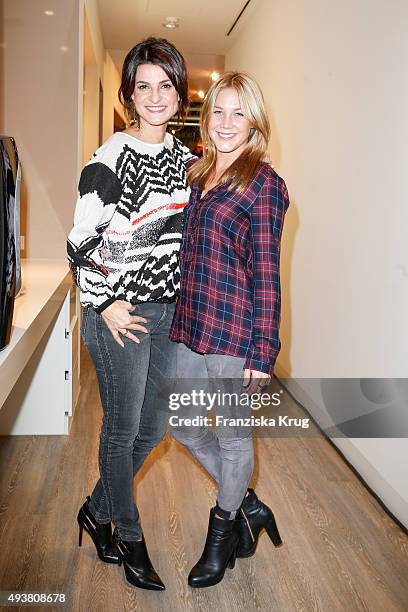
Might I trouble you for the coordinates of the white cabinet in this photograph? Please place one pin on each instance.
(39, 370)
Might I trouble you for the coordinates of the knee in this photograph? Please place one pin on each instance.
(191, 437)
(118, 439)
(235, 435)
(149, 441)
(237, 445)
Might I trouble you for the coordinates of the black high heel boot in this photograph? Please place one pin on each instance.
(254, 516)
(218, 554)
(139, 570)
(101, 534)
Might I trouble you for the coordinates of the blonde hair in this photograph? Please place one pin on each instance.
(242, 170)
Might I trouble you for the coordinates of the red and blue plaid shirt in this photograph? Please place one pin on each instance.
(229, 300)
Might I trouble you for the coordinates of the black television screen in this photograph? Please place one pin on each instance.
(10, 265)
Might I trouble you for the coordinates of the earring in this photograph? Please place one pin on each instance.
(135, 117)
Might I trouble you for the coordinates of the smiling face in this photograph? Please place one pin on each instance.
(155, 97)
(227, 126)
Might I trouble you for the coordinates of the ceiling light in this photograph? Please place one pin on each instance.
(64, 48)
(200, 94)
(215, 76)
(49, 13)
(171, 22)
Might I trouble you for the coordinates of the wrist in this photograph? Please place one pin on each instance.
(99, 309)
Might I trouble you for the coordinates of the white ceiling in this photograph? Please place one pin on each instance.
(201, 37)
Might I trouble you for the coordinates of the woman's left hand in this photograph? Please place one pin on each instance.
(254, 381)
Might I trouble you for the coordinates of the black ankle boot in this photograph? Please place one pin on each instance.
(101, 534)
(139, 570)
(219, 552)
(252, 518)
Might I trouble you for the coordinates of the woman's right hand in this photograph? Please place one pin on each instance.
(119, 320)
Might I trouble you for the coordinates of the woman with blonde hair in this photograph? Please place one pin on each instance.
(228, 313)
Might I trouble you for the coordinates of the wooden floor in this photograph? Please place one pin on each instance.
(341, 551)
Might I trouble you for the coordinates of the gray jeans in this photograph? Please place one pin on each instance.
(134, 416)
(227, 453)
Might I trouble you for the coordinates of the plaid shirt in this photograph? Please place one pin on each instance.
(229, 300)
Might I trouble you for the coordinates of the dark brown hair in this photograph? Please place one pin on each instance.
(160, 52)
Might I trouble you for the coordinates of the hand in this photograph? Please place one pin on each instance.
(254, 381)
(118, 319)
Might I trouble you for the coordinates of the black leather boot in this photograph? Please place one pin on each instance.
(101, 534)
(254, 516)
(139, 570)
(219, 552)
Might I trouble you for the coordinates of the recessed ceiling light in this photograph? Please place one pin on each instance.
(171, 22)
(215, 76)
(64, 48)
(200, 94)
(49, 13)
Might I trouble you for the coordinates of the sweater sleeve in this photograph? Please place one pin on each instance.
(267, 216)
(99, 192)
(186, 155)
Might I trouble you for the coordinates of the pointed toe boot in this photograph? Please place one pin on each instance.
(139, 570)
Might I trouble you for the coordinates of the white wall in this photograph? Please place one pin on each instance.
(104, 71)
(333, 75)
(91, 112)
(42, 76)
(111, 82)
(41, 106)
(91, 78)
(95, 32)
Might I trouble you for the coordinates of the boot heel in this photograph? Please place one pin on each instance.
(100, 534)
(272, 531)
(231, 562)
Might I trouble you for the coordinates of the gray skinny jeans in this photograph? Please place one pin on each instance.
(134, 415)
(227, 453)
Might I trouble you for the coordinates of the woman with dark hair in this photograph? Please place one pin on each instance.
(123, 252)
(228, 312)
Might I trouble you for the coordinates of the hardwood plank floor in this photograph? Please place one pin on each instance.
(341, 550)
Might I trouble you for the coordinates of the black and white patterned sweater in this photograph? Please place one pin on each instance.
(128, 222)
